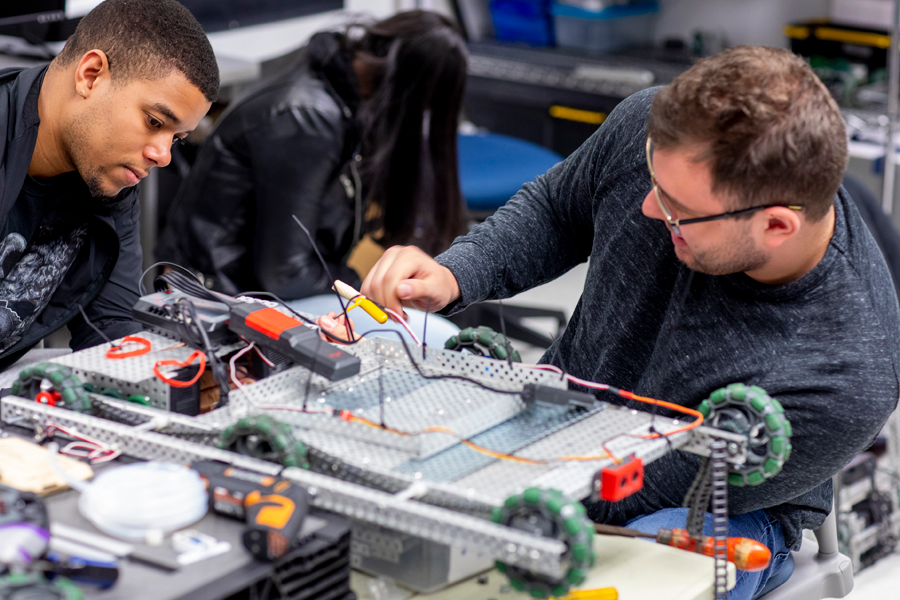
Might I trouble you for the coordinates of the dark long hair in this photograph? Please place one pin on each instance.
(414, 67)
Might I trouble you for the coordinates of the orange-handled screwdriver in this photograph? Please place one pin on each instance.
(746, 554)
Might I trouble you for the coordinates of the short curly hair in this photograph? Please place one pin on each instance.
(146, 39)
(764, 122)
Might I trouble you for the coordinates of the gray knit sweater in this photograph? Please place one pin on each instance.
(826, 346)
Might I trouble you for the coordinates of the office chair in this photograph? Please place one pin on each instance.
(820, 570)
(492, 168)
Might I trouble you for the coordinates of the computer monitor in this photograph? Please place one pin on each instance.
(33, 11)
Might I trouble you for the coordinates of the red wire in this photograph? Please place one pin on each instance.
(170, 362)
(115, 352)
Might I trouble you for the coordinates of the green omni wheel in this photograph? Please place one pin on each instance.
(261, 436)
(70, 392)
(550, 514)
(750, 411)
(483, 341)
(32, 586)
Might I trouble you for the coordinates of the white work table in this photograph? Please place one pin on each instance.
(638, 569)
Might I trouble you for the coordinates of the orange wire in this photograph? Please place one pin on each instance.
(351, 418)
(676, 407)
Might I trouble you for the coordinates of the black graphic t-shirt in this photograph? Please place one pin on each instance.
(40, 239)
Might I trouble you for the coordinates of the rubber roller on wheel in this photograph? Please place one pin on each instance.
(549, 513)
(261, 436)
(750, 411)
(481, 340)
(70, 391)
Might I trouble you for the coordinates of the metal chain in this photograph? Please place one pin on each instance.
(719, 480)
(697, 499)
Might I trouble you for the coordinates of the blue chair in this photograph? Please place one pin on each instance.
(492, 168)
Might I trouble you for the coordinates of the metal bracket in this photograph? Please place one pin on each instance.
(515, 547)
(702, 438)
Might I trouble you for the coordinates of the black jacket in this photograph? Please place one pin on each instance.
(104, 276)
(287, 148)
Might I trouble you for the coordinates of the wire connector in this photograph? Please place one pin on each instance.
(618, 482)
(533, 394)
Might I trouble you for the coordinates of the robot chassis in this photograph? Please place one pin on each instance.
(524, 513)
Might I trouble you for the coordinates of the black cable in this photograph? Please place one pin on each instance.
(381, 394)
(192, 329)
(331, 278)
(423, 375)
(405, 348)
(391, 331)
(190, 287)
(503, 331)
(95, 328)
(312, 370)
(159, 264)
(282, 303)
(425, 328)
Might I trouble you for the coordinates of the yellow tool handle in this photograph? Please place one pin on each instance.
(357, 299)
(609, 593)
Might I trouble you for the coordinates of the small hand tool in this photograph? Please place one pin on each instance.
(745, 553)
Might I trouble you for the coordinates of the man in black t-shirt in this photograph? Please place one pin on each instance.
(135, 77)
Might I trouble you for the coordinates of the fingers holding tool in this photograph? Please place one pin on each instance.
(407, 276)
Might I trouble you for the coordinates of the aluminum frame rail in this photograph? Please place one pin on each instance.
(515, 547)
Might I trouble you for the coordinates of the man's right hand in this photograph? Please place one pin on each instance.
(406, 276)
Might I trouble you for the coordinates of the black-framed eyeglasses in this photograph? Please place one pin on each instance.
(676, 224)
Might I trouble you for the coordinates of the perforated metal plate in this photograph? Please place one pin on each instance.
(391, 388)
(407, 398)
(132, 375)
(542, 555)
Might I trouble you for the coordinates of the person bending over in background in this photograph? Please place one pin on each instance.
(717, 198)
(134, 78)
(360, 136)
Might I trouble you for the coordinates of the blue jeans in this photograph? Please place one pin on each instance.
(754, 525)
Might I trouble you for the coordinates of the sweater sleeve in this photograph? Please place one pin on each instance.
(548, 226)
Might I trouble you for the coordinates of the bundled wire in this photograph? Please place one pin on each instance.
(190, 328)
(83, 446)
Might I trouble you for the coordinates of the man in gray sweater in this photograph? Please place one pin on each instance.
(722, 249)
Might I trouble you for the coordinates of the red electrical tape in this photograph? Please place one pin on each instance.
(171, 362)
(116, 352)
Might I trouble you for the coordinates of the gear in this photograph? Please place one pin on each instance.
(70, 392)
(548, 513)
(261, 436)
(750, 411)
(479, 340)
